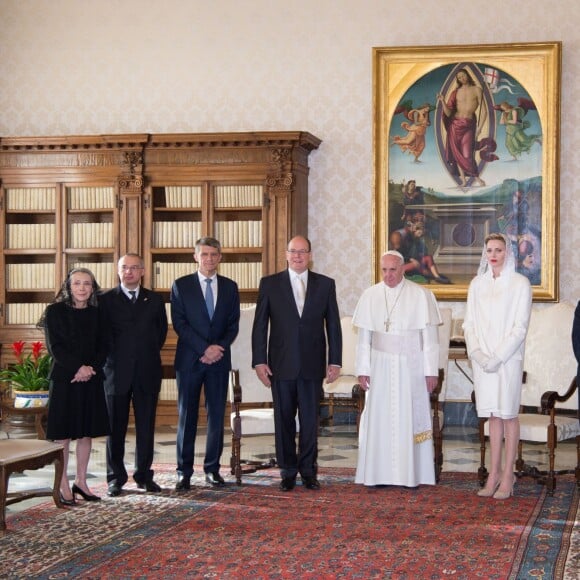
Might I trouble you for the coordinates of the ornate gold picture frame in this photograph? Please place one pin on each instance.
(466, 142)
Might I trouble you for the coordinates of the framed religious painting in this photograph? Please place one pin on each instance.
(466, 143)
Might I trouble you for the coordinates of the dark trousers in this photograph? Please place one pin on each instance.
(144, 407)
(215, 384)
(289, 397)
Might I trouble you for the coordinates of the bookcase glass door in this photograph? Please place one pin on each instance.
(30, 248)
(91, 225)
(237, 221)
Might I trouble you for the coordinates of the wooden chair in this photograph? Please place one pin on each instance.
(345, 393)
(549, 412)
(251, 402)
(18, 455)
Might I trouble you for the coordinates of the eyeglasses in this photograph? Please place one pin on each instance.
(130, 268)
(298, 252)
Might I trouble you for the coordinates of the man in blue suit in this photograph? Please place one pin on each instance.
(205, 311)
(299, 310)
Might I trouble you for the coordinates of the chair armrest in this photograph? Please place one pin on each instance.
(550, 398)
(235, 387)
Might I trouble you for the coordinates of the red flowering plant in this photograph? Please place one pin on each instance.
(29, 372)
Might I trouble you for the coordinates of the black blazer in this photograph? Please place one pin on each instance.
(74, 338)
(296, 344)
(135, 336)
(195, 330)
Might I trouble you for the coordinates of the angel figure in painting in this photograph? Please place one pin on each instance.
(414, 141)
(517, 141)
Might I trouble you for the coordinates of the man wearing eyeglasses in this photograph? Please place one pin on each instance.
(298, 307)
(135, 321)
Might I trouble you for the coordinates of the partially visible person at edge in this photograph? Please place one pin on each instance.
(77, 408)
(295, 314)
(205, 311)
(576, 339)
(397, 365)
(136, 324)
(499, 303)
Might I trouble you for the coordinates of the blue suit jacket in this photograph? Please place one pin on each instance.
(195, 331)
(296, 345)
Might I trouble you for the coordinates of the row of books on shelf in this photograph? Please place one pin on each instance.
(231, 234)
(238, 196)
(183, 196)
(29, 276)
(31, 198)
(44, 198)
(30, 312)
(41, 276)
(31, 236)
(91, 235)
(91, 198)
(190, 196)
(176, 234)
(239, 233)
(24, 313)
(246, 274)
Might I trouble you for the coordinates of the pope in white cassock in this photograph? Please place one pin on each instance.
(396, 363)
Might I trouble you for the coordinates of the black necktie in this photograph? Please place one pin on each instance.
(133, 296)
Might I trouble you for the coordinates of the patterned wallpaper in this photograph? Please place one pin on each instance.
(115, 66)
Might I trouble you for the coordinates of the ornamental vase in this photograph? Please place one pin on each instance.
(30, 399)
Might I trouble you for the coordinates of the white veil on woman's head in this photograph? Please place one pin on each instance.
(509, 265)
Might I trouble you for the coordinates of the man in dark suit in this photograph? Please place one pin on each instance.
(205, 310)
(136, 324)
(299, 309)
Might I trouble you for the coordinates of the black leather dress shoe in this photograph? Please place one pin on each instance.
(114, 490)
(214, 478)
(288, 483)
(183, 483)
(150, 486)
(310, 483)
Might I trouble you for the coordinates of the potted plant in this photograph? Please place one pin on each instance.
(28, 376)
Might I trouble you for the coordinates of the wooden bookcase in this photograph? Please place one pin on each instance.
(87, 200)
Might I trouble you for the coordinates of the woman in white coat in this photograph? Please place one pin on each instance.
(499, 303)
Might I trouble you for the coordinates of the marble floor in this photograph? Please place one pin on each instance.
(337, 448)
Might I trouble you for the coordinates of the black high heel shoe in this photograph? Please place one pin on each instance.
(68, 502)
(86, 496)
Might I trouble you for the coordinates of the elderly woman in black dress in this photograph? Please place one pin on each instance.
(77, 408)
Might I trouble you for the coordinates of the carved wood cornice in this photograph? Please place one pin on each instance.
(75, 152)
(136, 154)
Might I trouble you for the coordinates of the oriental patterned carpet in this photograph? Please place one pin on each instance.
(341, 531)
